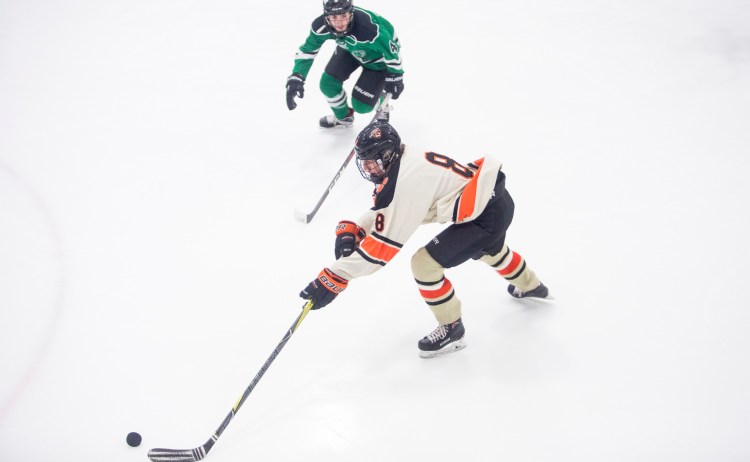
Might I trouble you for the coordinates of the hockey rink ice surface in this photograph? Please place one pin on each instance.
(150, 261)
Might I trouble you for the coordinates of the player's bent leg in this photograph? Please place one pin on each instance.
(437, 291)
(360, 107)
(363, 108)
(367, 91)
(512, 266)
(333, 90)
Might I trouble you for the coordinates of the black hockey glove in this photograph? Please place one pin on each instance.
(324, 289)
(394, 84)
(348, 237)
(295, 86)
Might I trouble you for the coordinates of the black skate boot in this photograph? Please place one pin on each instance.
(447, 338)
(331, 121)
(540, 292)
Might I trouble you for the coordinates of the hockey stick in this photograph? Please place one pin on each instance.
(192, 455)
(307, 217)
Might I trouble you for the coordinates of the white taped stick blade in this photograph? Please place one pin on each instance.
(302, 217)
(176, 455)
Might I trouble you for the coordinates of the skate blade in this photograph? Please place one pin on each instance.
(451, 348)
(336, 127)
(548, 298)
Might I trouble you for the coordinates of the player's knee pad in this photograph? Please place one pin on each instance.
(361, 107)
(330, 86)
(424, 267)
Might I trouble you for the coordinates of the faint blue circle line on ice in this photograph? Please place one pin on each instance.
(59, 300)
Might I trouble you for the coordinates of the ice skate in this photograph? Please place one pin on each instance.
(447, 338)
(540, 291)
(330, 121)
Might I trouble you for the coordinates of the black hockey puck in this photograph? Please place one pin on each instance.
(133, 439)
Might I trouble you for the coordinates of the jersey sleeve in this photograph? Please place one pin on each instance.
(303, 59)
(391, 228)
(397, 214)
(391, 48)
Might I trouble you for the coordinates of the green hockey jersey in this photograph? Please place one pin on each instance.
(371, 41)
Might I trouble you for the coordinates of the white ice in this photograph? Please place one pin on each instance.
(150, 262)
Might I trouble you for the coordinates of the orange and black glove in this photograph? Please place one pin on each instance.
(323, 289)
(348, 237)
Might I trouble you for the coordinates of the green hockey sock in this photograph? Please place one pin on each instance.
(334, 92)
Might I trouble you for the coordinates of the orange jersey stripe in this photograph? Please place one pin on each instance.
(469, 195)
(444, 289)
(378, 249)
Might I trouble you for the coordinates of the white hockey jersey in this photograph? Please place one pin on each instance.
(421, 187)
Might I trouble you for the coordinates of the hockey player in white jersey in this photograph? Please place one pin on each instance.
(415, 187)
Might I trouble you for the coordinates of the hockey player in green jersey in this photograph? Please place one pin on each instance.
(363, 39)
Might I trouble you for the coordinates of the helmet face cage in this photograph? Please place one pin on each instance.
(335, 7)
(377, 146)
(372, 169)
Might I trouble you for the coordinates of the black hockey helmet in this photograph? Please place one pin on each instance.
(334, 7)
(377, 146)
